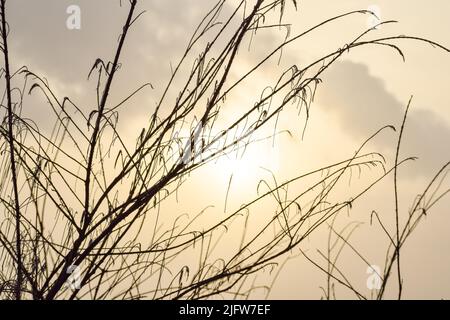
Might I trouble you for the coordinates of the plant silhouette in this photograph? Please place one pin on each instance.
(79, 196)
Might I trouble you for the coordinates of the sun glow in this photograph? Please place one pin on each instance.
(247, 166)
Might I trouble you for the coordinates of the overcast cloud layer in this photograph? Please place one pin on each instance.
(362, 104)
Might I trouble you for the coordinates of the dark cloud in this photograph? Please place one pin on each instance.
(40, 40)
(362, 104)
(39, 36)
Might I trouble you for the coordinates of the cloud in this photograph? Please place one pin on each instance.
(361, 104)
(40, 40)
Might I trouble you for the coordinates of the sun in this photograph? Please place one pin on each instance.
(247, 166)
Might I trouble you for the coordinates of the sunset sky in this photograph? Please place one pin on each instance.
(367, 88)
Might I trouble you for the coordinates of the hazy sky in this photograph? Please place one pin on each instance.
(366, 89)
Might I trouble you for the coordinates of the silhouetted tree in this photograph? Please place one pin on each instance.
(48, 227)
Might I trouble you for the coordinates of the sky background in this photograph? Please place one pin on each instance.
(366, 89)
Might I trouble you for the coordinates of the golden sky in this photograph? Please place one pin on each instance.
(366, 89)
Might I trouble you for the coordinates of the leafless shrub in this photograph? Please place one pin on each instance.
(80, 196)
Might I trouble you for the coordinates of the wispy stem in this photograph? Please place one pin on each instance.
(4, 35)
(397, 223)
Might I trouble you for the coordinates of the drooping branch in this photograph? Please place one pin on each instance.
(10, 115)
